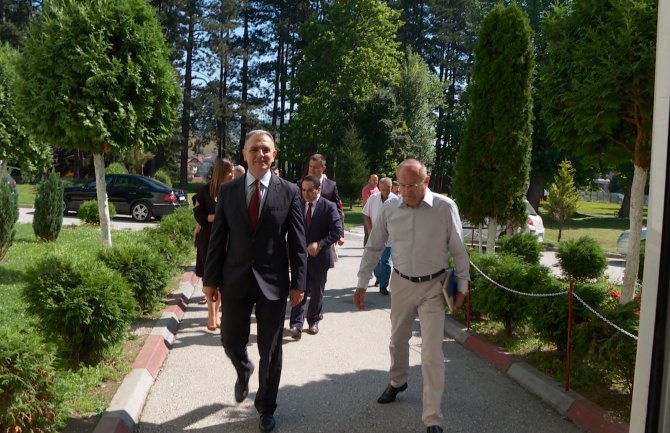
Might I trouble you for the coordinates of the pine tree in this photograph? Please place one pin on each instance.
(563, 195)
(48, 218)
(351, 166)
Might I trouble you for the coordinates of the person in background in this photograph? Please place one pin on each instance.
(323, 227)
(317, 168)
(395, 188)
(258, 233)
(275, 170)
(371, 211)
(424, 229)
(204, 206)
(238, 171)
(369, 189)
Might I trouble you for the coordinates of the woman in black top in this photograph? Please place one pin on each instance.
(204, 203)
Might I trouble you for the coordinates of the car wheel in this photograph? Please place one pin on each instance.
(140, 212)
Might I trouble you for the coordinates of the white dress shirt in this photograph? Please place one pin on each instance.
(421, 239)
(265, 183)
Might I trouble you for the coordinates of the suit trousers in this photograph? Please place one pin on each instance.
(316, 286)
(426, 299)
(235, 328)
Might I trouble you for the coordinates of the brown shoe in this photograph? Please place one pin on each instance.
(313, 328)
(295, 333)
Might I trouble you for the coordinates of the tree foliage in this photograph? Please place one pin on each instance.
(597, 87)
(563, 195)
(495, 155)
(350, 167)
(48, 218)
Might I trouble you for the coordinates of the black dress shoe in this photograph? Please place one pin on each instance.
(390, 392)
(295, 333)
(242, 387)
(384, 291)
(434, 429)
(267, 423)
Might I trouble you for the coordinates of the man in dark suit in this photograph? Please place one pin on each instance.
(258, 226)
(317, 168)
(323, 228)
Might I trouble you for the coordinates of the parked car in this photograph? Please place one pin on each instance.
(622, 241)
(141, 197)
(534, 225)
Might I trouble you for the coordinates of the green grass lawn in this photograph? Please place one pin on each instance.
(82, 387)
(596, 219)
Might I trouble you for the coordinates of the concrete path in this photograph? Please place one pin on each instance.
(330, 382)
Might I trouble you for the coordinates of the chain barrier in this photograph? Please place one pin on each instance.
(601, 317)
(539, 295)
(535, 295)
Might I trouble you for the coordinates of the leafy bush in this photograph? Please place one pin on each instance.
(116, 168)
(48, 218)
(524, 245)
(27, 402)
(582, 258)
(604, 348)
(82, 306)
(88, 212)
(549, 315)
(173, 238)
(9, 214)
(163, 176)
(143, 268)
(511, 272)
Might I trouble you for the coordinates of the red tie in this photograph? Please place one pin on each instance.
(254, 205)
(308, 217)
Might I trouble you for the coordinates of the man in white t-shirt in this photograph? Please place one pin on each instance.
(371, 211)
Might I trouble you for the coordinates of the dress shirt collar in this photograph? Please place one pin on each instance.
(265, 179)
(427, 198)
(314, 202)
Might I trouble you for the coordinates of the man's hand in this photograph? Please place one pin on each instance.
(313, 249)
(295, 296)
(359, 298)
(340, 242)
(211, 293)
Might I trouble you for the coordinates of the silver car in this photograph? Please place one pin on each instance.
(534, 225)
(622, 242)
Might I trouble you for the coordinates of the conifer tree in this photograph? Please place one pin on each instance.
(563, 195)
(9, 214)
(48, 218)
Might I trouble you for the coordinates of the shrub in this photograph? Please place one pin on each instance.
(524, 245)
(9, 214)
(27, 402)
(88, 212)
(82, 306)
(174, 236)
(143, 268)
(163, 176)
(606, 349)
(116, 168)
(549, 315)
(582, 258)
(48, 218)
(511, 272)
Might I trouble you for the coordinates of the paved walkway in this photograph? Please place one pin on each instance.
(330, 382)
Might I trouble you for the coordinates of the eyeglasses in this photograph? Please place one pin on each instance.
(411, 185)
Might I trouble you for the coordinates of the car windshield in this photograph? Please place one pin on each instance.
(530, 209)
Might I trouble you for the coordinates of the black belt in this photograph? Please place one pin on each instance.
(419, 279)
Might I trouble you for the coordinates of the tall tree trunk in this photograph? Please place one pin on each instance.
(186, 111)
(101, 193)
(633, 255)
(624, 210)
(277, 79)
(535, 191)
(245, 79)
(491, 235)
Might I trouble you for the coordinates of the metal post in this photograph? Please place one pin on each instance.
(569, 345)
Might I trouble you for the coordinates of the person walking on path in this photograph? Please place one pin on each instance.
(204, 206)
(373, 207)
(369, 189)
(424, 229)
(317, 168)
(323, 227)
(258, 227)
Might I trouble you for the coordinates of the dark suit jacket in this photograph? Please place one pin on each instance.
(329, 192)
(235, 252)
(326, 229)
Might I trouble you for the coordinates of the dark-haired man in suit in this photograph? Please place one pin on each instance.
(323, 228)
(258, 227)
(317, 168)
